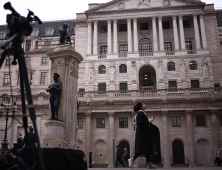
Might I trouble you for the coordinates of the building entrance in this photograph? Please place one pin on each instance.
(124, 144)
(178, 152)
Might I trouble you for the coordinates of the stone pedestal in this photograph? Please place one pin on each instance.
(54, 132)
(112, 86)
(65, 61)
(141, 162)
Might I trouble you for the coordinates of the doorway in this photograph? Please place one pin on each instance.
(178, 152)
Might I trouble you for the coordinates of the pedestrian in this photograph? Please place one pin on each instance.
(125, 157)
(143, 142)
(19, 141)
(156, 157)
(31, 138)
(118, 157)
(218, 155)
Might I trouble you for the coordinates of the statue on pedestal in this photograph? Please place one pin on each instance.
(64, 35)
(205, 68)
(54, 90)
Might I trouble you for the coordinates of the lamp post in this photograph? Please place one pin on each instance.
(7, 106)
(134, 124)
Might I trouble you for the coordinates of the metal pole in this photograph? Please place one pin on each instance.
(90, 159)
(5, 142)
(114, 152)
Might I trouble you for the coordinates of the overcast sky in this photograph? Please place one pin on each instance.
(58, 9)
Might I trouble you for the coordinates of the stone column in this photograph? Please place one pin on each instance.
(65, 61)
(203, 32)
(109, 37)
(115, 37)
(161, 33)
(166, 155)
(111, 136)
(196, 30)
(95, 40)
(215, 136)
(175, 33)
(88, 148)
(155, 43)
(129, 33)
(182, 37)
(89, 51)
(190, 137)
(135, 35)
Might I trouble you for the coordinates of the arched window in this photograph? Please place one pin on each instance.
(42, 93)
(171, 66)
(122, 68)
(102, 69)
(145, 45)
(193, 65)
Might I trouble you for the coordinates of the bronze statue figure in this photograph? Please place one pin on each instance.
(64, 35)
(54, 90)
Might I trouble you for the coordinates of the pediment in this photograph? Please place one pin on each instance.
(116, 5)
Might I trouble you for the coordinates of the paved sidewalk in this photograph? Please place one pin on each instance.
(176, 168)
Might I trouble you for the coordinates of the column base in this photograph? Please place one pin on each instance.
(110, 166)
(167, 166)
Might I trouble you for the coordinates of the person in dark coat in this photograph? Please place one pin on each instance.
(218, 155)
(19, 141)
(118, 157)
(143, 142)
(31, 138)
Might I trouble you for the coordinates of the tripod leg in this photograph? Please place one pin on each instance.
(4, 54)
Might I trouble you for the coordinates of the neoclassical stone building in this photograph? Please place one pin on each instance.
(166, 53)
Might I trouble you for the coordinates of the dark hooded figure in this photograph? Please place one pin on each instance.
(143, 142)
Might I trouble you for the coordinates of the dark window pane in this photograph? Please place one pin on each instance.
(216, 85)
(145, 45)
(200, 121)
(221, 120)
(122, 27)
(123, 68)
(100, 122)
(171, 66)
(123, 122)
(43, 78)
(188, 45)
(28, 45)
(176, 121)
(166, 24)
(8, 62)
(195, 84)
(7, 80)
(103, 50)
(44, 60)
(79, 123)
(102, 87)
(123, 86)
(103, 29)
(123, 48)
(193, 65)
(27, 60)
(168, 46)
(186, 24)
(144, 26)
(172, 84)
(102, 70)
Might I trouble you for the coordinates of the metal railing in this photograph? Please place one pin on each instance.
(144, 54)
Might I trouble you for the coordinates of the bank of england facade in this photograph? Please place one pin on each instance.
(165, 53)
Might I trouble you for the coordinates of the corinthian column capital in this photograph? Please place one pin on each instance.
(188, 112)
(164, 113)
(88, 113)
(111, 114)
(174, 17)
(213, 111)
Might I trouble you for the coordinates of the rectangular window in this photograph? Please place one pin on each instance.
(220, 42)
(43, 78)
(186, 24)
(44, 60)
(200, 121)
(216, 85)
(144, 26)
(168, 46)
(103, 50)
(100, 122)
(102, 87)
(176, 121)
(36, 44)
(123, 48)
(79, 122)
(166, 24)
(123, 86)
(172, 85)
(122, 27)
(8, 62)
(27, 60)
(103, 29)
(28, 45)
(188, 45)
(195, 84)
(47, 44)
(7, 80)
(123, 122)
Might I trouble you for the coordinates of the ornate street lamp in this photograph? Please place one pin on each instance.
(7, 106)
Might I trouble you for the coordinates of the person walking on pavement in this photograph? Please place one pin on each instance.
(19, 141)
(143, 142)
(118, 157)
(218, 155)
(125, 157)
(31, 138)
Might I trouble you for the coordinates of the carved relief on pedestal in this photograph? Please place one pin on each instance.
(133, 71)
(143, 3)
(112, 72)
(74, 68)
(160, 69)
(57, 65)
(182, 69)
(111, 114)
(204, 64)
(88, 113)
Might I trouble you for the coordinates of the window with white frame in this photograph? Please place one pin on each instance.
(49, 31)
(2, 35)
(8, 62)
(44, 60)
(79, 122)
(35, 33)
(43, 78)
(27, 60)
(6, 79)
